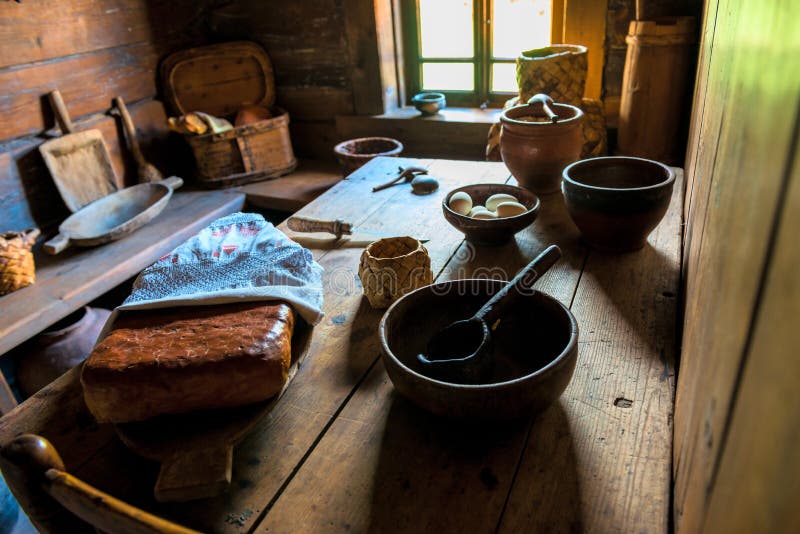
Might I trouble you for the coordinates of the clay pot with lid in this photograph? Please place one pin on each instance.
(535, 149)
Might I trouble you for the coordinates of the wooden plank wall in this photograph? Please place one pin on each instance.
(92, 50)
(736, 467)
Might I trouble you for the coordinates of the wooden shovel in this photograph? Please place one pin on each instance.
(78, 162)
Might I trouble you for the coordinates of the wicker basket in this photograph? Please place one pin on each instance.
(221, 79)
(245, 154)
(392, 267)
(16, 260)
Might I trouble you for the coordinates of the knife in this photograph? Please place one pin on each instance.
(337, 227)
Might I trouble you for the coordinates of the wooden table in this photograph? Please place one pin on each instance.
(77, 276)
(343, 452)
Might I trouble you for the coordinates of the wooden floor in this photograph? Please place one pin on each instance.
(343, 452)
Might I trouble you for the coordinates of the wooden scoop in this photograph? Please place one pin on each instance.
(544, 102)
(461, 351)
(146, 170)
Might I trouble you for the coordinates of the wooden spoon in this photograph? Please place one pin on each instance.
(544, 102)
(146, 170)
(461, 351)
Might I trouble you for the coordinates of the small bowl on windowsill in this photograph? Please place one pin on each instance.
(429, 103)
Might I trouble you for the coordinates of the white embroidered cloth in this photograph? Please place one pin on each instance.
(238, 258)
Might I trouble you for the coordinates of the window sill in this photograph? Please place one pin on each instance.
(457, 133)
(448, 114)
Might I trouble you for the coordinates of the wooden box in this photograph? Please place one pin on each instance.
(219, 80)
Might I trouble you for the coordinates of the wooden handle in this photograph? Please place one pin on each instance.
(41, 463)
(60, 110)
(130, 131)
(195, 474)
(545, 102)
(305, 224)
(521, 284)
(57, 244)
(173, 182)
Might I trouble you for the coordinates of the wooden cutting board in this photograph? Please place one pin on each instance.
(196, 449)
(78, 162)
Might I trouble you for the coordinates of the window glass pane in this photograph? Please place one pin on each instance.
(446, 28)
(519, 25)
(448, 76)
(504, 78)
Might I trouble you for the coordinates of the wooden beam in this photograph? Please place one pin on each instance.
(585, 24)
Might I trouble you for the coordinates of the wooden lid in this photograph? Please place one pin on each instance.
(218, 79)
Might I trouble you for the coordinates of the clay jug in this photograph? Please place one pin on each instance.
(59, 348)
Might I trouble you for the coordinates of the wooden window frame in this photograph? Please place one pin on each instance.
(482, 60)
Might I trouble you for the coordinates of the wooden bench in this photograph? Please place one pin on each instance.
(74, 278)
(293, 191)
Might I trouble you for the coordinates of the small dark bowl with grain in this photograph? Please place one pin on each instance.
(534, 348)
(491, 232)
(617, 201)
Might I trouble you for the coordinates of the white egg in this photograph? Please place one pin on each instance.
(476, 209)
(484, 214)
(510, 209)
(495, 200)
(461, 203)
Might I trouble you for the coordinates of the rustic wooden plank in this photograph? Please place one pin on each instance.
(383, 462)
(758, 482)
(314, 103)
(72, 279)
(363, 56)
(315, 140)
(28, 196)
(127, 71)
(52, 29)
(585, 24)
(599, 460)
(295, 190)
(731, 228)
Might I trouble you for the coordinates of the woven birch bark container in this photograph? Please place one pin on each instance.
(390, 268)
(556, 70)
(16, 260)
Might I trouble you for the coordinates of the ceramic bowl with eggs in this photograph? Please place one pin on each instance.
(490, 214)
(534, 351)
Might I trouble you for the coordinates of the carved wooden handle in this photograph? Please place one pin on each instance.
(521, 284)
(58, 244)
(41, 463)
(60, 110)
(182, 478)
(305, 224)
(173, 182)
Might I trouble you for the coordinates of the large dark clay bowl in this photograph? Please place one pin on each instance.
(617, 201)
(491, 231)
(535, 348)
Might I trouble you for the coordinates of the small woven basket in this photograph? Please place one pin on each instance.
(16, 260)
(392, 267)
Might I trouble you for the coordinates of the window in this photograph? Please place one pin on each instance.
(467, 49)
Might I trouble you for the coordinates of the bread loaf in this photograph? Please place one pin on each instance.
(176, 360)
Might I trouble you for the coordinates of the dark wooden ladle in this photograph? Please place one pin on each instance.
(461, 351)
